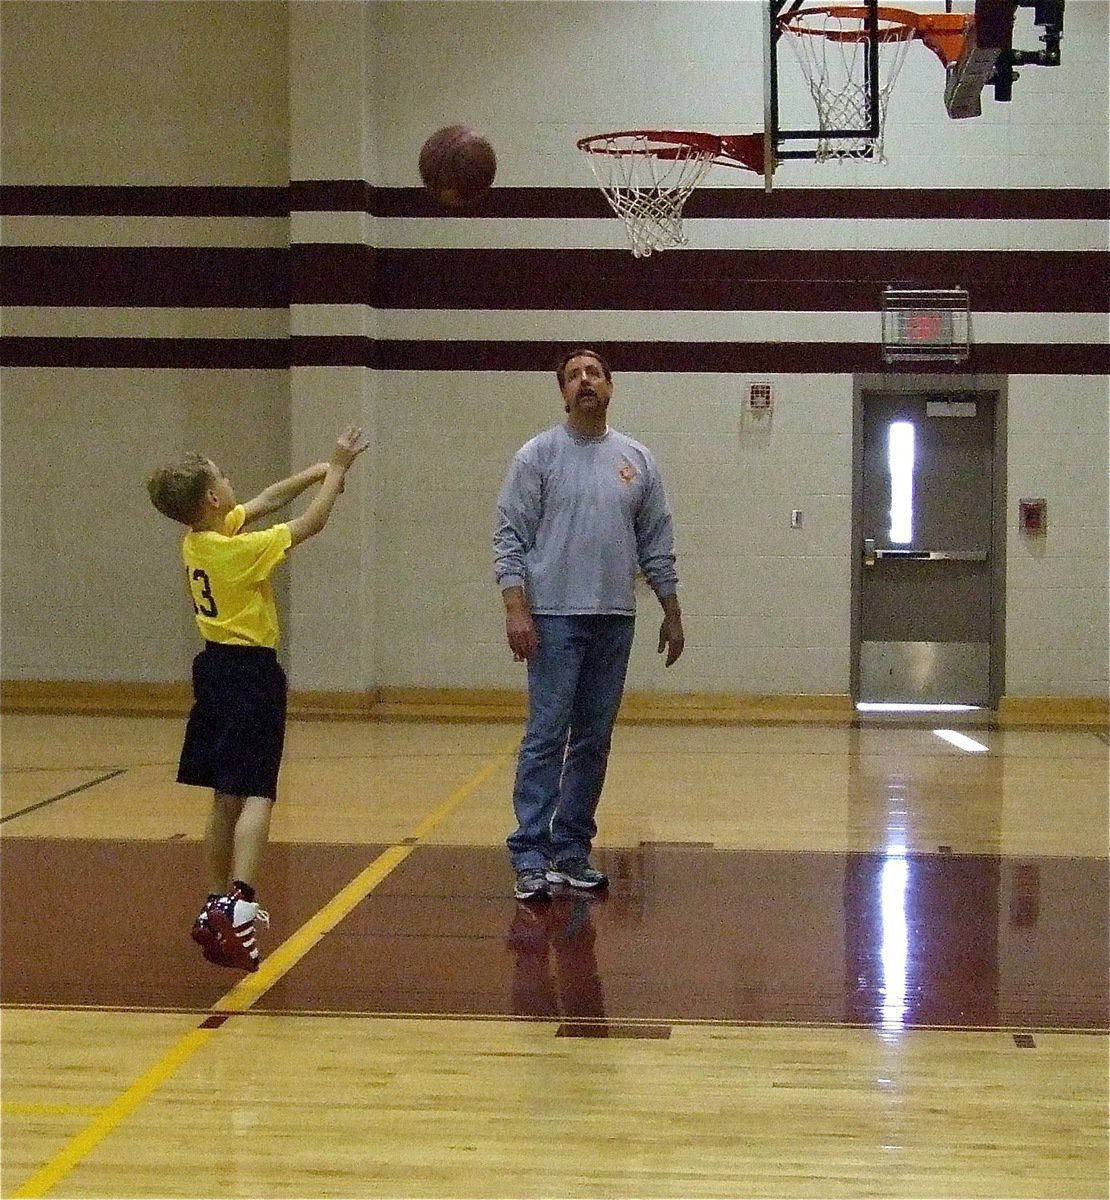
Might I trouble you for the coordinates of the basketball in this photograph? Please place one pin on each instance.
(457, 165)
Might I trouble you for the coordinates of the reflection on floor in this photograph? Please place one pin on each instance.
(685, 934)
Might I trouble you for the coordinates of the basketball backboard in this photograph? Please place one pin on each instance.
(829, 70)
(793, 127)
(829, 67)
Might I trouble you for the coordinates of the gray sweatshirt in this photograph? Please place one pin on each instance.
(575, 519)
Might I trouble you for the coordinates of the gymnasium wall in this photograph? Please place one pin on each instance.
(214, 237)
(145, 230)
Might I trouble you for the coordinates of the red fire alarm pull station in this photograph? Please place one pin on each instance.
(1033, 515)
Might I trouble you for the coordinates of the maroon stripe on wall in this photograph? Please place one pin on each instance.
(564, 280)
(145, 276)
(356, 195)
(660, 357)
(256, 354)
(937, 204)
(731, 280)
(350, 350)
(750, 203)
(333, 273)
(113, 201)
(506, 203)
(728, 357)
(331, 195)
(559, 280)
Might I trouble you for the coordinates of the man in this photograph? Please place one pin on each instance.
(581, 510)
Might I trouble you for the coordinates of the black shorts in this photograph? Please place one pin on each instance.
(236, 729)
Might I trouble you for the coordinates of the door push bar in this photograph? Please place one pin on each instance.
(871, 554)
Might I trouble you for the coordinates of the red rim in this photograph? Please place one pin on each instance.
(736, 149)
(597, 143)
(899, 21)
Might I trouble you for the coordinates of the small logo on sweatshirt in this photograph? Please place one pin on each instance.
(627, 472)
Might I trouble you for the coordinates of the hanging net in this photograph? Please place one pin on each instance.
(646, 183)
(647, 177)
(832, 46)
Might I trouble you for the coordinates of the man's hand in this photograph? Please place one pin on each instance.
(520, 629)
(671, 637)
(523, 639)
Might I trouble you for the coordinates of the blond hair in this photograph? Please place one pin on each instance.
(177, 491)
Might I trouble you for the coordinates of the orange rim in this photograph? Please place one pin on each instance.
(900, 23)
(943, 33)
(673, 142)
(738, 149)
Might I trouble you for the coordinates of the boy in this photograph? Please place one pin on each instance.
(236, 728)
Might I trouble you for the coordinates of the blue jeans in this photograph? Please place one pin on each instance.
(575, 684)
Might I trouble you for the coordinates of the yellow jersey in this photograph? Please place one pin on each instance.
(229, 580)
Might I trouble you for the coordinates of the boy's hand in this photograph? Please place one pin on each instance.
(350, 444)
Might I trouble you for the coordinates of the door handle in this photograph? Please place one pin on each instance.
(870, 554)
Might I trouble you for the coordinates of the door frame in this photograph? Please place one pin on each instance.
(949, 385)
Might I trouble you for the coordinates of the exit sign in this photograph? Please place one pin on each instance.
(926, 325)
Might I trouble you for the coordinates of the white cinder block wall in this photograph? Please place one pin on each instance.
(767, 606)
(1056, 611)
(406, 572)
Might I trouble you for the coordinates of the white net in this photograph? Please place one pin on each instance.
(646, 182)
(831, 46)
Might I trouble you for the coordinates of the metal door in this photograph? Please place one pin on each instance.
(925, 570)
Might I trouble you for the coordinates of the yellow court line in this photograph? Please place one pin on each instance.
(250, 988)
(122, 1106)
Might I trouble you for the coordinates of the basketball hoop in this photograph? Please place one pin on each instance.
(646, 175)
(832, 45)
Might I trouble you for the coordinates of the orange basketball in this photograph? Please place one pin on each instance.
(457, 165)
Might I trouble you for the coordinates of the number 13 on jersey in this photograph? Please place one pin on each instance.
(200, 589)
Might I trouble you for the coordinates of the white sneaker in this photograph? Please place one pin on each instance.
(232, 920)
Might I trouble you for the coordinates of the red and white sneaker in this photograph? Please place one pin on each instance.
(205, 936)
(231, 919)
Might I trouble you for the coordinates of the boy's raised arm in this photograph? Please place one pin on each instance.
(279, 494)
(350, 444)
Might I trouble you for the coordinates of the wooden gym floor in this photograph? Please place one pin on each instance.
(835, 961)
